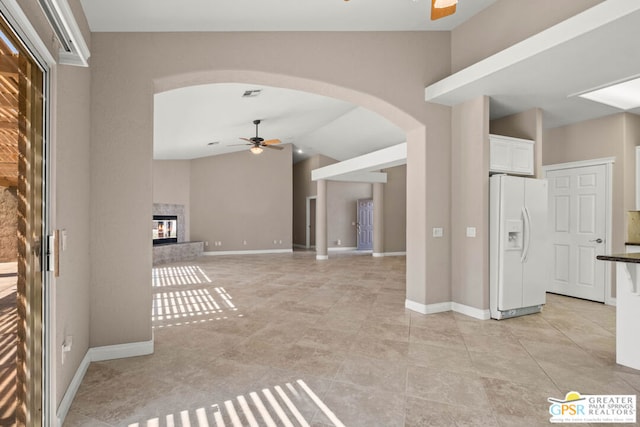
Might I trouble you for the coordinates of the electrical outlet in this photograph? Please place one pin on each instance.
(63, 242)
(471, 232)
(438, 231)
(244, 242)
(206, 244)
(66, 347)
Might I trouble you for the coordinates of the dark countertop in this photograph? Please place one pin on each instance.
(632, 258)
(631, 244)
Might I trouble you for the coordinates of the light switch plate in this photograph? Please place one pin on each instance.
(438, 231)
(471, 232)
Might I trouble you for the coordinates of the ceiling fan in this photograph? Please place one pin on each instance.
(442, 8)
(257, 143)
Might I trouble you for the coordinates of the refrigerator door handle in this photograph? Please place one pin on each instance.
(527, 233)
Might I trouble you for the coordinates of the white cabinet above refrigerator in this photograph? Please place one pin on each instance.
(510, 155)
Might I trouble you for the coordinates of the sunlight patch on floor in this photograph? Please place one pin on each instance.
(180, 275)
(270, 407)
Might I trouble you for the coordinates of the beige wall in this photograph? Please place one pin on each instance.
(72, 215)
(128, 68)
(506, 23)
(470, 203)
(342, 198)
(172, 185)
(242, 197)
(341, 205)
(395, 210)
(303, 187)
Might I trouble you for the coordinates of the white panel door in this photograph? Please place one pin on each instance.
(577, 213)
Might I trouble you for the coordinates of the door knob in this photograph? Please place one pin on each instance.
(598, 240)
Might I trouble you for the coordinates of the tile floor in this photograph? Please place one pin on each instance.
(230, 329)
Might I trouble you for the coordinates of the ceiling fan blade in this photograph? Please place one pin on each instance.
(246, 139)
(275, 147)
(272, 141)
(441, 12)
(236, 145)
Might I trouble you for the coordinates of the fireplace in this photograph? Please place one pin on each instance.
(165, 229)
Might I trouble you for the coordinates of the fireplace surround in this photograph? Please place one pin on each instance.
(173, 220)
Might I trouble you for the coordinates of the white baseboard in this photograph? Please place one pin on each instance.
(322, 257)
(120, 351)
(74, 385)
(471, 311)
(395, 254)
(448, 306)
(97, 354)
(378, 254)
(342, 248)
(427, 308)
(250, 252)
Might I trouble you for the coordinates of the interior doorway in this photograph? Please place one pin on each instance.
(364, 225)
(311, 222)
(579, 215)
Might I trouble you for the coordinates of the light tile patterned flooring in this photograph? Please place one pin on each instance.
(230, 327)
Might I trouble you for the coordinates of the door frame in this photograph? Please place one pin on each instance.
(308, 221)
(39, 53)
(608, 163)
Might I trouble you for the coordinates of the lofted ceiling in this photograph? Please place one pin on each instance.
(591, 50)
(546, 71)
(206, 120)
(187, 120)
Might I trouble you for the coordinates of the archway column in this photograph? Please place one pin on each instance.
(321, 221)
(378, 219)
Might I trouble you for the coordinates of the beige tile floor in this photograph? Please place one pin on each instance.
(229, 329)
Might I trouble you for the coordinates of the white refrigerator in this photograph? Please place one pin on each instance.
(519, 246)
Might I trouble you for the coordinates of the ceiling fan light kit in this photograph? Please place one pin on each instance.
(258, 143)
(442, 8)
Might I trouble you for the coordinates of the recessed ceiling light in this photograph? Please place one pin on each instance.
(625, 95)
(300, 151)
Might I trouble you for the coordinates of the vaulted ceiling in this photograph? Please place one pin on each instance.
(187, 120)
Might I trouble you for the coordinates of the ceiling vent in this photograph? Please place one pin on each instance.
(251, 93)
